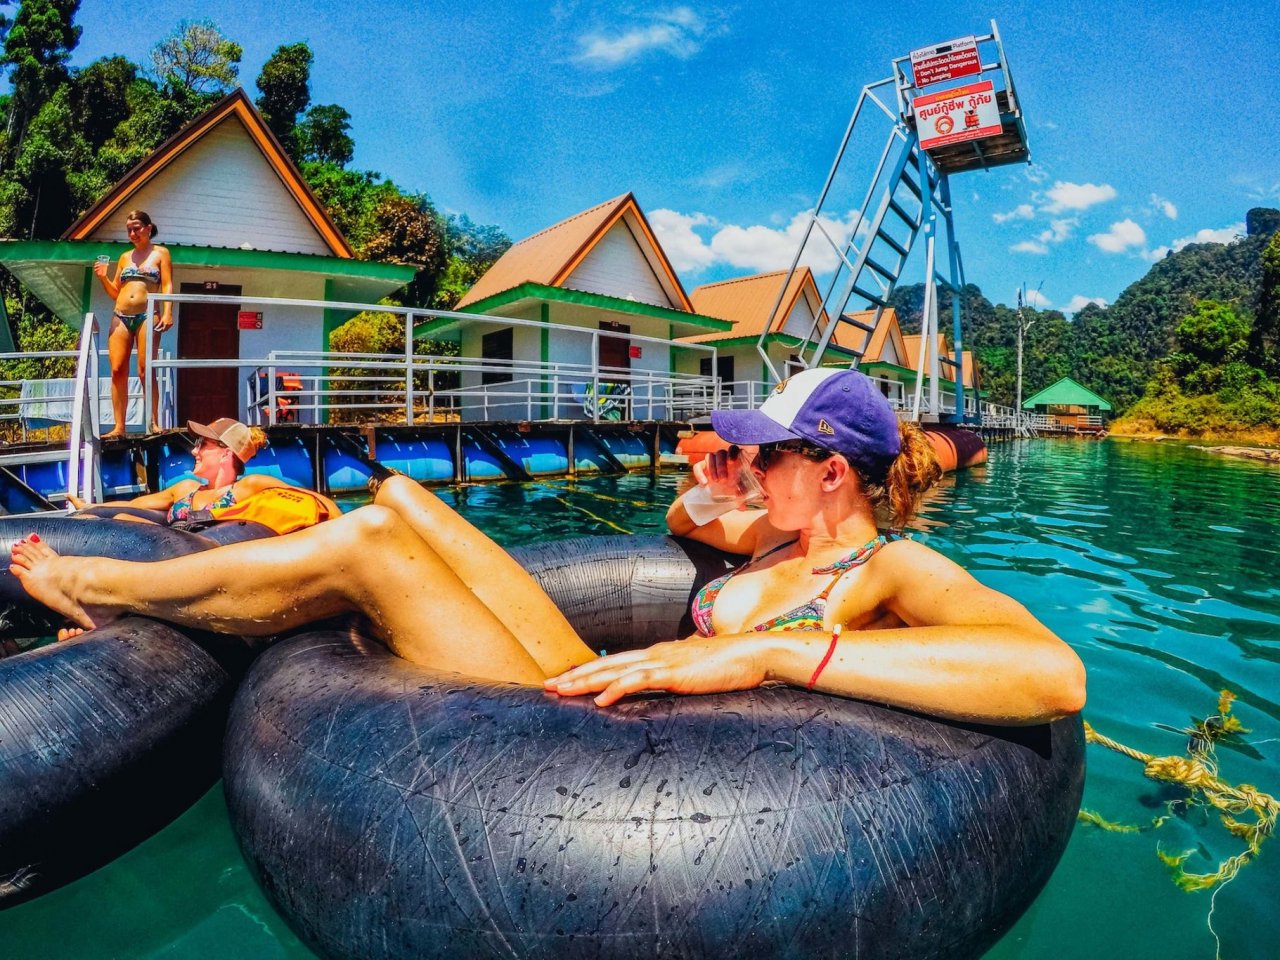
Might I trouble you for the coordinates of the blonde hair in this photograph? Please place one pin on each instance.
(258, 437)
(915, 469)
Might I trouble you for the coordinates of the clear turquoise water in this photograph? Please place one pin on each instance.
(1157, 562)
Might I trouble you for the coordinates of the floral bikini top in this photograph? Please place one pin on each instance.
(181, 508)
(807, 616)
(135, 272)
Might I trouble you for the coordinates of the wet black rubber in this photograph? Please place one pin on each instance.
(106, 737)
(389, 811)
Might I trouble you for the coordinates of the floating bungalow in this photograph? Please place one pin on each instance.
(1071, 403)
(238, 219)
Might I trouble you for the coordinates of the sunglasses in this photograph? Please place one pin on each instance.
(767, 453)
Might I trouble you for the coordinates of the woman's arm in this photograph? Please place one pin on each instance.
(969, 653)
(111, 286)
(160, 500)
(166, 286)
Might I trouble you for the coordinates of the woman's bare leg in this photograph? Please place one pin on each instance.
(500, 583)
(368, 561)
(119, 346)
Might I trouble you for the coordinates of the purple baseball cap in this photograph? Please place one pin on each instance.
(837, 409)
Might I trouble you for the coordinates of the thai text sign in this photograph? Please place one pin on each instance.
(249, 320)
(946, 61)
(963, 113)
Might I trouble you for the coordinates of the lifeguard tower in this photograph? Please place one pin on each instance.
(946, 109)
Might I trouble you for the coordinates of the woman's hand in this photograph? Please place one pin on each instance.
(164, 323)
(76, 501)
(100, 269)
(710, 665)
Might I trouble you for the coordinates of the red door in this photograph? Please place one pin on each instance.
(208, 331)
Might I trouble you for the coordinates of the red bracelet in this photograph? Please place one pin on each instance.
(835, 638)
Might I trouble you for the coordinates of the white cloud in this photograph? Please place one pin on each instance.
(1058, 231)
(683, 246)
(1164, 206)
(1034, 298)
(1077, 196)
(1207, 235)
(1079, 302)
(756, 247)
(680, 33)
(1023, 211)
(1035, 174)
(1029, 246)
(1122, 235)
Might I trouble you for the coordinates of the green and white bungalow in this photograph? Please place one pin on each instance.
(593, 295)
(1071, 403)
(748, 302)
(238, 219)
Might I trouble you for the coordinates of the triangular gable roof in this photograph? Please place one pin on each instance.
(1066, 393)
(885, 339)
(748, 302)
(968, 365)
(550, 256)
(235, 104)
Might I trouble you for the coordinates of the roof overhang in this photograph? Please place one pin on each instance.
(682, 324)
(57, 271)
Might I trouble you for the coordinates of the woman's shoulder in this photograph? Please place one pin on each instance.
(252, 483)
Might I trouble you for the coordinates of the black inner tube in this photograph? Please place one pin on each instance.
(391, 811)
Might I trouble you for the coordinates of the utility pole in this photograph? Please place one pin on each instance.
(1023, 326)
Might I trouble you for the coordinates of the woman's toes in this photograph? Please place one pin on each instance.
(68, 633)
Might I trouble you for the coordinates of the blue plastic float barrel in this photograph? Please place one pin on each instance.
(390, 811)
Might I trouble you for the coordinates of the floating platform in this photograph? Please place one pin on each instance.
(335, 459)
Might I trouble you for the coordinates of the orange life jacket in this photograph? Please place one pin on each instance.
(283, 509)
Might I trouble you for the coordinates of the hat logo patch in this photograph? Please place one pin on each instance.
(824, 427)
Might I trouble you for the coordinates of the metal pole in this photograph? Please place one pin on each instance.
(408, 368)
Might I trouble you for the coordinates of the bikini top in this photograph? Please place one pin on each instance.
(181, 508)
(807, 616)
(134, 272)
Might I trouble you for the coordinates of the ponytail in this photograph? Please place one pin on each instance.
(913, 471)
(258, 437)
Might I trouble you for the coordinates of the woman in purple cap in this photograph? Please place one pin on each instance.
(922, 633)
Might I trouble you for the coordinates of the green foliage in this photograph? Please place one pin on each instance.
(197, 60)
(324, 135)
(285, 82)
(1264, 341)
(36, 50)
(383, 333)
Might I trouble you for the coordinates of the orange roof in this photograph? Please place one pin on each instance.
(235, 104)
(912, 343)
(749, 301)
(550, 256)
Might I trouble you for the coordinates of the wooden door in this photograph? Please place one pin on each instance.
(208, 331)
(615, 351)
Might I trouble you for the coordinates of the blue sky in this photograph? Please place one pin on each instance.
(1150, 124)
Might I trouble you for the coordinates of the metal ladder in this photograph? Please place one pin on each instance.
(909, 196)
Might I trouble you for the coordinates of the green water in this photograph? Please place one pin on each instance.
(1155, 561)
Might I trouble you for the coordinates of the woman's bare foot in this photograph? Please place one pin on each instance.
(48, 578)
(117, 432)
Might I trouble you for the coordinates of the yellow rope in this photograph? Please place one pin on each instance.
(1198, 772)
(607, 523)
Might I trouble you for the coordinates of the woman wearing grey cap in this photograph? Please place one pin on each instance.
(922, 633)
(217, 480)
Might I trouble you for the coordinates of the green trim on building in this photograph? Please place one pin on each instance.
(539, 291)
(544, 348)
(77, 251)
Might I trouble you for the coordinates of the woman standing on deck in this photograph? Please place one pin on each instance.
(921, 632)
(144, 270)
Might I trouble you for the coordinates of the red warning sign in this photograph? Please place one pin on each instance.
(249, 320)
(952, 116)
(946, 61)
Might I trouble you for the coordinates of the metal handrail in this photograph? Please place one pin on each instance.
(83, 479)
